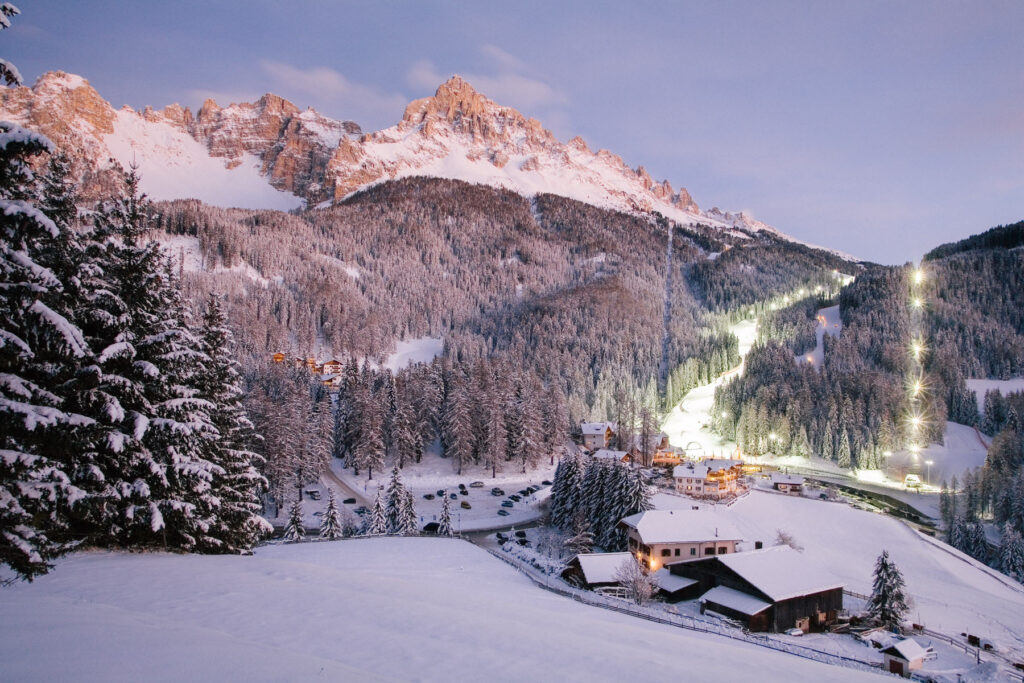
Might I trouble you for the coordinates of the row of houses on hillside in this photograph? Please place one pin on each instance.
(694, 554)
(599, 436)
(328, 372)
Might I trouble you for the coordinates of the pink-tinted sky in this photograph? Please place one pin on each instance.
(878, 128)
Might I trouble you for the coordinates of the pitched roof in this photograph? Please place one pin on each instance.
(908, 648)
(700, 469)
(780, 572)
(614, 455)
(596, 427)
(736, 600)
(683, 526)
(669, 582)
(601, 567)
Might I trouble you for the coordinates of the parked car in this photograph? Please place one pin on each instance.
(497, 492)
(465, 505)
(521, 534)
(428, 496)
(524, 492)
(361, 510)
(430, 527)
(515, 497)
(546, 482)
(477, 485)
(503, 513)
(507, 504)
(463, 492)
(440, 493)
(453, 496)
(794, 632)
(349, 501)
(314, 494)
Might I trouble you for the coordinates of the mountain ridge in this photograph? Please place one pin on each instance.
(457, 133)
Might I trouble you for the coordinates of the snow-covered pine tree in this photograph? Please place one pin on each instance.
(369, 453)
(378, 525)
(407, 520)
(239, 523)
(295, 530)
(843, 454)
(1011, 553)
(888, 602)
(330, 523)
(444, 524)
(395, 502)
(40, 348)
(457, 424)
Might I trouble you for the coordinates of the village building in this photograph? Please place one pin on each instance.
(595, 570)
(673, 588)
(713, 478)
(333, 367)
(787, 483)
(773, 589)
(660, 537)
(605, 454)
(904, 657)
(597, 435)
(331, 381)
(656, 443)
(278, 357)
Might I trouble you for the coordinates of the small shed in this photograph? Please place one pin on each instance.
(904, 657)
(787, 483)
(595, 570)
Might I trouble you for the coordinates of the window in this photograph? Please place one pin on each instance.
(709, 551)
(665, 552)
(723, 550)
(693, 551)
(677, 552)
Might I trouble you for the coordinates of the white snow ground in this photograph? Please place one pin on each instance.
(389, 609)
(685, 423)
(951, 592)
(419, 350)
(828, 322)
(1004, 386)
(173, 165)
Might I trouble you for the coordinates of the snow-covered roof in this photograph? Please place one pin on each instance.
(780, 572)
(683, 526)
(612, 455)
(736, 600)
(594, 428)
(780, 478)
(908, 648)
(690, 470)
(667, 581)
(601, 567)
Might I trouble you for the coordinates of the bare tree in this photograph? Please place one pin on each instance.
(639, 584)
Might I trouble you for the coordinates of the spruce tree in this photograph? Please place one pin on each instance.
(295, 530)
(330, 523)
(888, 602)
(39, 345)
(378, 525)
(444, 524)
(238, 483)
(843, 454)
(1011, 553)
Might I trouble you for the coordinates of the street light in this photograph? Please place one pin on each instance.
(918, 276)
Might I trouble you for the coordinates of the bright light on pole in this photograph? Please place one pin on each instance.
(918, 276)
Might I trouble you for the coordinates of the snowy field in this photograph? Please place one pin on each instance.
(686, 423)
(951, 592)
(420, 350)
(828, 322)
(1004, 386)
(389, 609)
(173, 165)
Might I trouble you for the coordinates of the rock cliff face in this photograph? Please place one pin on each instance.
(457, 133)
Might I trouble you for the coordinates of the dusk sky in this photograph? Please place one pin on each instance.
(878, 128)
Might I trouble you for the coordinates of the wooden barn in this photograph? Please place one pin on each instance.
(774, 589)
(595, 570)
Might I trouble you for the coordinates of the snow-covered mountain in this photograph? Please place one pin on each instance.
(270, 154)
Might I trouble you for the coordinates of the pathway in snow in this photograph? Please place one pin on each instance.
(828, 322)
(687, 423)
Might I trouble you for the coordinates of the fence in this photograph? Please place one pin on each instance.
(680, 620)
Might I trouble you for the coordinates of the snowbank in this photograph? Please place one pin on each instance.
(376, 609)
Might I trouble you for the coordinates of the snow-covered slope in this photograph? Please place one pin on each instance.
(390, 609)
